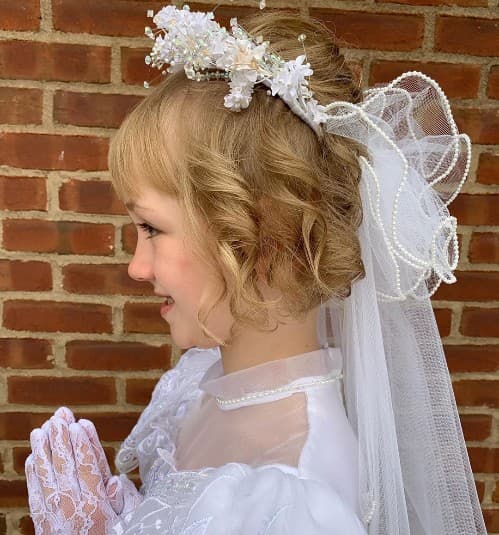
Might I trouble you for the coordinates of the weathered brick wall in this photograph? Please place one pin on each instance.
(76, 331)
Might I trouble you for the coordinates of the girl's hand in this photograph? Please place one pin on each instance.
(66, 475)
(122, 493)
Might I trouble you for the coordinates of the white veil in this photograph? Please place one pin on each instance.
(414, 471)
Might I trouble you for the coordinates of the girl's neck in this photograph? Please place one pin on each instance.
(250, 347)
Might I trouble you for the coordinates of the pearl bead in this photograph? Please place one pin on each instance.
(288, 388)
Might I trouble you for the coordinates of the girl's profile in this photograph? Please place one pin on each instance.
(296, 227)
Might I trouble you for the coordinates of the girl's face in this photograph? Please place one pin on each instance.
(163, 257)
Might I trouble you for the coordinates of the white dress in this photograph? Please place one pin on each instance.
(284, 463)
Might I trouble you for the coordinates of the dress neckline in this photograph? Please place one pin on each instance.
(271, 375)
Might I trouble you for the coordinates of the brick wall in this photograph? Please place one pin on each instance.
(76, 331)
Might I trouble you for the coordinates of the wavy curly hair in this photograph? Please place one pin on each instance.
(278, 200)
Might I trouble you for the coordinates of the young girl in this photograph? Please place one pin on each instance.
(297, 230)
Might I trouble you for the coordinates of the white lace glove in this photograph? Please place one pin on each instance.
(70, 487)
(122, 493)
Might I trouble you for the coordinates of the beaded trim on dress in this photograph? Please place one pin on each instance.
(273, 379)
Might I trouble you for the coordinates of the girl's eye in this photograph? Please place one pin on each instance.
(148, 229)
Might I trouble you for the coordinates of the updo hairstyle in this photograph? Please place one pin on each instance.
(264, 196)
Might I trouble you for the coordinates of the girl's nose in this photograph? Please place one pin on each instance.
(140, 267)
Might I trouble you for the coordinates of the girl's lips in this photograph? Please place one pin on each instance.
(165, 307)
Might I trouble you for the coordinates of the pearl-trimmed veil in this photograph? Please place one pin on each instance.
(414, 472)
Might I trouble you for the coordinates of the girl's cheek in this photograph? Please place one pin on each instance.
(184, 265)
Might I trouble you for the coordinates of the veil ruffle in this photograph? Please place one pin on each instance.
(414, 472)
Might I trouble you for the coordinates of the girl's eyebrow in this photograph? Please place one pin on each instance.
(132, 205)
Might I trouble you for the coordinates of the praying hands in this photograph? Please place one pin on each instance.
(70, 486)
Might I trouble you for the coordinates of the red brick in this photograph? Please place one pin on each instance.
(495, 494)
(129, 238)
(484, 460)
(476, 426)
(134, 71)
(103, 279)
(19, 456)
(471, 286)
(127, 19)
(480, 321)
(138, 391)
(481, 124)
(472, 358)
(53, 151)
(444, 320)
(116, 356)
(25, 526)
(484, 247)
(23, 193)
(480, 488)
(475, 209)
(20, 105)
(28, 275)
(464, 3)
(25, 353)
(144, 318)
(456, 79)
(493, 87)
(488, 168)
(382, 31)
(92, 109)
(51, 316)
(113, 17)
(62, 237)
(18, 425)
(91, 197)
(467, 35)
(20, 16)
(31, 60)
(112, 426)
(479, 392)
(13, 493)
(61, 390)
(491, 517)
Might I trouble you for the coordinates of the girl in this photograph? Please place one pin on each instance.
(297, 230)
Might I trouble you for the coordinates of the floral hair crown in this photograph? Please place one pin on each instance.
(194, 42)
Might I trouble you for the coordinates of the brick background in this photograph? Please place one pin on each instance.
(75, 330)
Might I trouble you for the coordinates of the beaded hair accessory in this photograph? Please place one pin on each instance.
(194, 42)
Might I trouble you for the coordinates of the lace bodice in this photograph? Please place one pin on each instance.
(265, 465)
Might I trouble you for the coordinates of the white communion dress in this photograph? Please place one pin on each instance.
(216, 457)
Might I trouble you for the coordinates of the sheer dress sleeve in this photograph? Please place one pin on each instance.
(158, 424)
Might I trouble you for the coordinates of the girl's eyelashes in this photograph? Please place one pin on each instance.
(151, 231)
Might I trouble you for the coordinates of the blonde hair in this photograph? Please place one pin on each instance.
(277, 199)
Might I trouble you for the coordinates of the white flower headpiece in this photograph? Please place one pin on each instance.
(193, 41)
